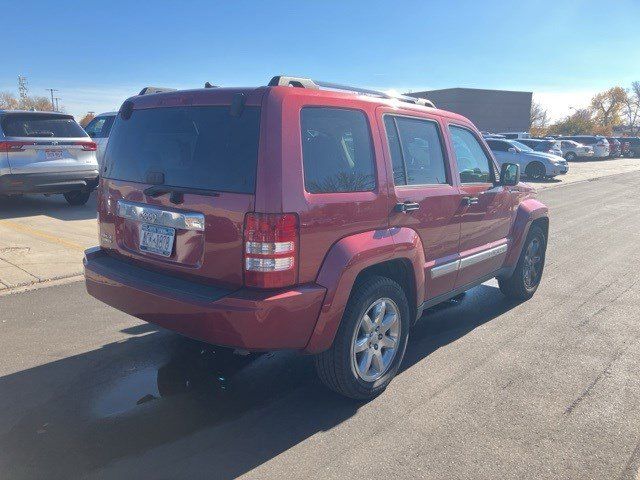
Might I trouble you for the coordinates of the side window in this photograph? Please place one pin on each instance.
(106, 128)
(416, 151)
(473, 163)
(498, 146)
(94, 127)
(336, 151)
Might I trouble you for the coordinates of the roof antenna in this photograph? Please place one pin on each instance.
(209, 85)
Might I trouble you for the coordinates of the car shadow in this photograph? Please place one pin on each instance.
(139, 407)
(54, 206)
(546, 180)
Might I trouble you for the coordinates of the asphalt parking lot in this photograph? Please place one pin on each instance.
(489, 389)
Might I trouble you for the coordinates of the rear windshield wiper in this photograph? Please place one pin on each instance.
(177, 192)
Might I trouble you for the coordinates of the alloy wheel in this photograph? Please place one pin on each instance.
(376, 340)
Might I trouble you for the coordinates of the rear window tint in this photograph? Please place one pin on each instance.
(99, 127)
(195, 147)
(41, 125)
(336, 149)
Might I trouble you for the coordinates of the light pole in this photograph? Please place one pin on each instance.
(52, 104)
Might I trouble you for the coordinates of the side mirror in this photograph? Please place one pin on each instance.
(512, 150)
(509, 174)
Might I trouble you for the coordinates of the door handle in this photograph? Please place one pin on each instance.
(407, 207)
(468, 201)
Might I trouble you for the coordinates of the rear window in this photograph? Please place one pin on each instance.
(195, 147)
(41, 125)
(336, 150)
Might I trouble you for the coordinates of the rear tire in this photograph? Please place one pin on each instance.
(360, 365)
(535, 170)
(77, 197)
(570, 156)
(524, 281)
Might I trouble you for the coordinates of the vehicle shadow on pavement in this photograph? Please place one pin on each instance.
(54, 206)
(159, 406)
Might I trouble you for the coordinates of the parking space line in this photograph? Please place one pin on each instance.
(38, 233)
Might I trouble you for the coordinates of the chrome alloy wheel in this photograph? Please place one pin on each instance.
(376, 340)
(532, 263)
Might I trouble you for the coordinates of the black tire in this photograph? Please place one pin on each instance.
(570, 156)
(77, 197)
(335, 366)
(521, 286)
(535, 170)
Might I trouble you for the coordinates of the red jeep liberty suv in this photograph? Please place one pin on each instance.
(306, 216)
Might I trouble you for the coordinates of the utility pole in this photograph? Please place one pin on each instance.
(23, 89)
(52, 104)
(57, 106)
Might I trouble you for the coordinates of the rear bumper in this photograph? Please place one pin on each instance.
(245, 318)
(59, 182)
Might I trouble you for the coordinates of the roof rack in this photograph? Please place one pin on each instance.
(299, 82)
(150, 90)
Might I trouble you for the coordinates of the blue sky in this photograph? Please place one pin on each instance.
(98, 53)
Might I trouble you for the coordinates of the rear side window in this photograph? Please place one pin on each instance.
(99, 127)
(416, 151)
(196, 147)
(498, 146)
(41, 125)
(336, 150)
(473, 163)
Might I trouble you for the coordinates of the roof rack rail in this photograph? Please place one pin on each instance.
(300, 82)
(150, 90)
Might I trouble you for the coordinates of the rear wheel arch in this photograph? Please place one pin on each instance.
(401, 271)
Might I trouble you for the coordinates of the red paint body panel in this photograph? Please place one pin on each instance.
(247, 319)
(340, 234)
(347, 259)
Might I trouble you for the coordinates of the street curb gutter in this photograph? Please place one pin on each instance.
(42, 284)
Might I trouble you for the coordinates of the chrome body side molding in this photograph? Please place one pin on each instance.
(465, 262)
(157, 216)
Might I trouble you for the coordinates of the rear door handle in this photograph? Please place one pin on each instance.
(468, 201)
(407, 207)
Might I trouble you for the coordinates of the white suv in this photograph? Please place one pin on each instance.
(46, 152)
(98, 129)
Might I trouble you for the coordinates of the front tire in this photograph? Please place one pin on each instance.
(370, 342)
(524, 281)
(77, 197)
(535, 170)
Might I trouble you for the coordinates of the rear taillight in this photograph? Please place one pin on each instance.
(89, 146)
(13, 146)
(270, 250)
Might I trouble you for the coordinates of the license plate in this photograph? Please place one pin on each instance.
(155, 239)
(53, 154)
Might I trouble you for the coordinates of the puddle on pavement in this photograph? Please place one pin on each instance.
(200, 370)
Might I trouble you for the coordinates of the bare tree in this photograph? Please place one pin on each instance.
(539, 117)
(632, 108)
(8, 101)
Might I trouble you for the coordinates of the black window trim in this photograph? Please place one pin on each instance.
(374, 156)
(492, 165)
(445, 154)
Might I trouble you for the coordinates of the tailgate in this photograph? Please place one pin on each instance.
(200, 239)
(178, 182)
(30, 155)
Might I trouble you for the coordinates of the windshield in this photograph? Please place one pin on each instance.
(193, 147)
(521, 146)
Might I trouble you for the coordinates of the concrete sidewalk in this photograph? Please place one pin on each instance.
(43, 238)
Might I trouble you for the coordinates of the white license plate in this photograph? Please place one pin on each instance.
(53, 154)
(155, 239)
